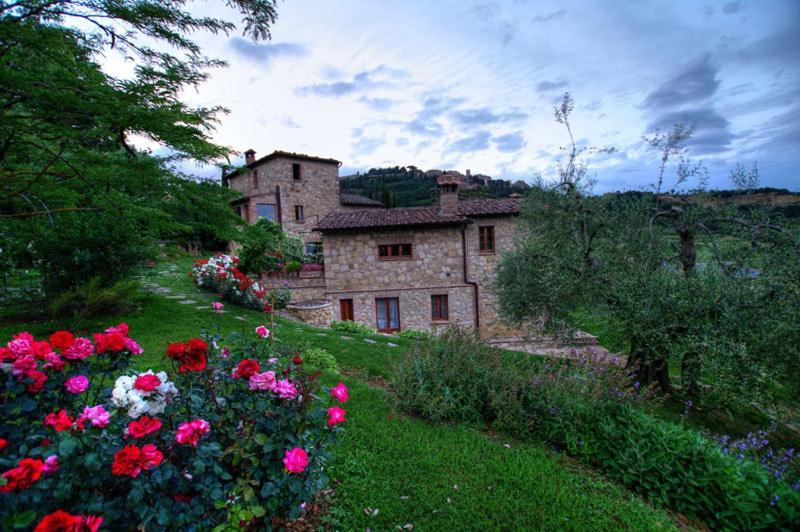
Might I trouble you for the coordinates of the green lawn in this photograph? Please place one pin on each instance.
(393, 470)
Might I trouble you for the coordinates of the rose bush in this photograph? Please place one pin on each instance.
(233, 437)
(220, 274)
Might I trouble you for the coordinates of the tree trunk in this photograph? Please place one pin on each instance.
(649, 368)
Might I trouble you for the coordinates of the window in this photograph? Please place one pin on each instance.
(255, 178)
(266, 210)
(387, 314)
(346, 309)
(296, 171)
(394, 251)
(298, 213)
(486, 238)
(439, 310)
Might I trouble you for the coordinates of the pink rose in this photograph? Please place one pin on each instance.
(216, 305)
(263, 381)
(98, 416)
(50, 464)
(53, 361)
(80, 349)
(225, 353)
(132, 347)
(339, 392)
(285, 389)
(262, 331)
(20, 346)
(335, 415)
(77, 384)
(272, 361)
(295, 460)
(189, 433)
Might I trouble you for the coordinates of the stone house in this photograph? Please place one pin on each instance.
(391, 269)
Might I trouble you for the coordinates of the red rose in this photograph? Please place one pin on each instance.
(40, 349)
(130, 460)
(60, 421)
(61, 521)
(147, 382)
(45, 442)
(3, 443)
(180, 497)
(62, 339)
(143, 426)
(6, 354)
(267, 308)
(113, 342)
(191, 356)
(37, 381)
(297, 360)
(247, 368)
(27, 472)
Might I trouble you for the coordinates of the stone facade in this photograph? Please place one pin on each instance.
(319, 314)
(272, 182)
(354, 271)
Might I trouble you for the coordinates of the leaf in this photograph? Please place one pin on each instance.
(258, 511)
(25, 519)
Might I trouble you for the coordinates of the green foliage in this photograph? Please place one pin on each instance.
(71, 184)
(351, 327)
(448, 378)
(266, 248)
(95, 299)
(415, 334)
(589, 409)
(318, 358)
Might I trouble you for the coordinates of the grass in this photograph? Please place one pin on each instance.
(392, 470)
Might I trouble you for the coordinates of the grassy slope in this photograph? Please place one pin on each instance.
(412, 472)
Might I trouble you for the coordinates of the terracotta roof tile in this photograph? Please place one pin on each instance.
(373, 218)
(417, 216)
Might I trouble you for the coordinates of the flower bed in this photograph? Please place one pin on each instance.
(232, 436)
(220, 275)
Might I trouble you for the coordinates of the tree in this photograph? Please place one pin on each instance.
(685, 282)
(68, 165)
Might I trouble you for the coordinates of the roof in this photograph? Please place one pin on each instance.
(490, 207)
(357, 199)
(278, 154)
(374, 218)
(417, 216)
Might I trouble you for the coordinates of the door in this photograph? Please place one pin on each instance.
(387, 311)
(346, 309)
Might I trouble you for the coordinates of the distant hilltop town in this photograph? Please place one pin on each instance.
(410, 186)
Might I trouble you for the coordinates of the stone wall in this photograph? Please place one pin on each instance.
(302, 288)
(354, 271)
(482, 269)
(317, 315)
(317, 191)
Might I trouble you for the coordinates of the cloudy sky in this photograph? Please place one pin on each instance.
(464, 84)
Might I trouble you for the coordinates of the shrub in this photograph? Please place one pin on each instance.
(318, 358)
(266, 248)
(94, 299)
(231, 435)
(591, 409)
(351, 327)
(447, 379)
(221, 275)
(415, 334)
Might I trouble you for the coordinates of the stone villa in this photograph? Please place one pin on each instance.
(391, 269)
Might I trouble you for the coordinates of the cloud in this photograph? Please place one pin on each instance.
(378, 104)
(401, 141)
(288, 122)
(732, 7)
(547, 86)
(697, 81)
(478, 141)
(510, 142)
(367, 145)
(424, 123)
(266, 52)
(482, 116)
(711, 130)
(366, 80)
(549, 16)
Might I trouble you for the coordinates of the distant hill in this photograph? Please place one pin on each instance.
(409, 186)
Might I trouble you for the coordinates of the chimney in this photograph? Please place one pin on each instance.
(468, 174)
(448, 195)
(250, 156)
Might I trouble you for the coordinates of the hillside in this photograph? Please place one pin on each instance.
(410, 187)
